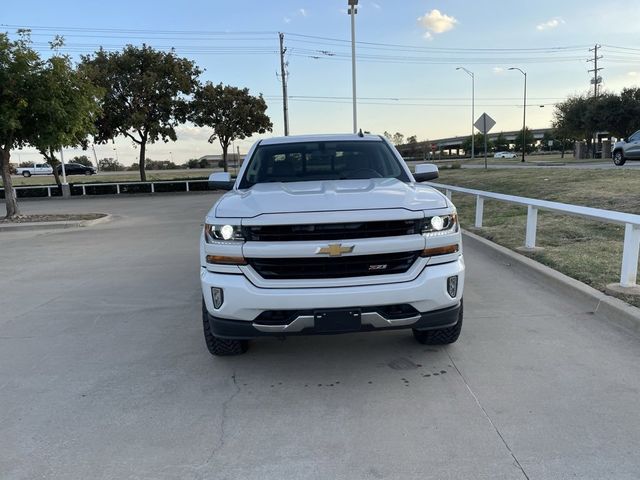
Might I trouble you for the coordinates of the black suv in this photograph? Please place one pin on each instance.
(76, 169)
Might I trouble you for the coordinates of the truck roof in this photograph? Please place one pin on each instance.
(335, 137)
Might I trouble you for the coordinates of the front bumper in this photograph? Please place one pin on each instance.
(244, 302)
(305, 325)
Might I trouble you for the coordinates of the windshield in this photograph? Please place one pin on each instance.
(307, 161)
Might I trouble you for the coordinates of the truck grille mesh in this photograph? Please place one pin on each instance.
(332, 231)
(336, 267)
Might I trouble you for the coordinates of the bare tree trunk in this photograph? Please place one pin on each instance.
(10, 199)
(143, 150)
(53, 162)
(225, 147)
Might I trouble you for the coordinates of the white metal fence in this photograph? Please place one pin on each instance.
(631, 222)
(120, 187)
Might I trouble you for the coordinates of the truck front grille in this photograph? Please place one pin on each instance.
(331, 231)
(328, 267)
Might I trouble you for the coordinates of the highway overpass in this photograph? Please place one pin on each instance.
(452, 145)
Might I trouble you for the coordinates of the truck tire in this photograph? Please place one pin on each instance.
(618, 158)
(26, 174)
(221, 346)
(440, 336)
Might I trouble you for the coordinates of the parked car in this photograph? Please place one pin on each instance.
(76, 169)
(36, 169)
(505, 155)
(629, 150)
(328, 234)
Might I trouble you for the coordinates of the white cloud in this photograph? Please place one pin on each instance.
(437, 22)
(376, 6)
(498, 70)
(633, 74)
(303, 12)
(286, 20)
(552, 23)
(427, 36)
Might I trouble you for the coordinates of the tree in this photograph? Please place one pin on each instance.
(67, 102)
(478, 144)
(110, 165)
(501, 144)
(145, 94)
(388, 136)
(231, 112)
(412, 139)
(82, 160)
(20, 66)
(398, 138)
(192, 163)
(529, 140)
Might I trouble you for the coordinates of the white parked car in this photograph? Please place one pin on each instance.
(505, 155)
(36, 169)
(329, 234)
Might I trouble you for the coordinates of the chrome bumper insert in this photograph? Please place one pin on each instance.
(307, 321)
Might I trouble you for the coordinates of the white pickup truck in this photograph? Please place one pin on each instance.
(329, 234)
(36, 169)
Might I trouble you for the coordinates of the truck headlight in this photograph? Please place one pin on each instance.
(215, 233)
(440, 225)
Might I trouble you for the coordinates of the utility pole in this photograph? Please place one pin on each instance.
(352, 12)
(597, 80)
(283, 77)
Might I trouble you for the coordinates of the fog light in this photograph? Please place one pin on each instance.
(218, 297)
(452, 286)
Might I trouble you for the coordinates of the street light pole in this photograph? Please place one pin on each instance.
(352, 11)
(473, 103)
(524, 112)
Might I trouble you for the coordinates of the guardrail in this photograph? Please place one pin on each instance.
(631, 222)
(118, 188)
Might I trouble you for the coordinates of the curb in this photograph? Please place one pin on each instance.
(609, 308)
(19, 227)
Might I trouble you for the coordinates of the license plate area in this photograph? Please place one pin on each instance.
(339, 320)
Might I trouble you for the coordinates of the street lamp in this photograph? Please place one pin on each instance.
(352, 11)
(524, 111)
(473, 81)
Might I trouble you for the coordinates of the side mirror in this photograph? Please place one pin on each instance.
(220, 181)
(425, 172)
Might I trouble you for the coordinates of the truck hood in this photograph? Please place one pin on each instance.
(327, 195)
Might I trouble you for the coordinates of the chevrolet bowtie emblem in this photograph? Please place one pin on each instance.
(334, 250)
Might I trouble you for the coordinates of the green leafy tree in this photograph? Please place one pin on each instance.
(67, 101)
(529, 140)
(478, 144)
(20, 67)
(110, 165)
(500, 143)
(232, 113)
(412, 139)
(146, 92)
(82, 160)
(192, 163)
(398, 138)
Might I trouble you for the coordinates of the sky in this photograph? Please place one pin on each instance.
(407, 54)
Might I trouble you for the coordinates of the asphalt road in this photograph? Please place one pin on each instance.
(104, 373)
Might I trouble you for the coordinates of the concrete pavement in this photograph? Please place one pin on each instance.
(104, 373)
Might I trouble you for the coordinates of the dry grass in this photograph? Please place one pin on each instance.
(588, 251)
